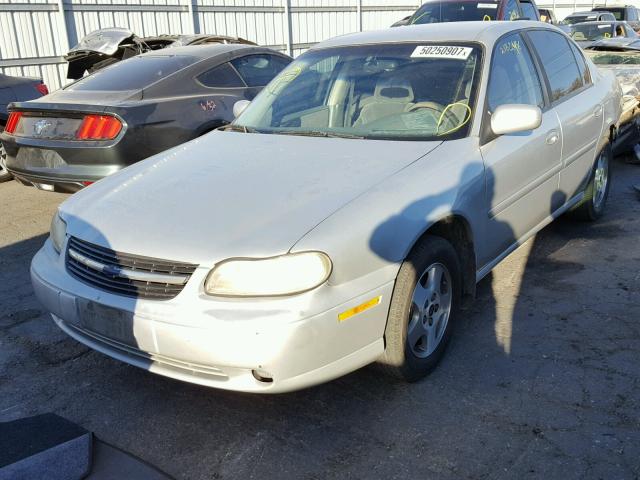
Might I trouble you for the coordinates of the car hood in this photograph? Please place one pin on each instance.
(231, 194)
(105, 41)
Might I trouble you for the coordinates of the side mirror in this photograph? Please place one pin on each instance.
(515, 118)
(239, 107)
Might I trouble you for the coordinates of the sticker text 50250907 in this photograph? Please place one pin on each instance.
(442, 51)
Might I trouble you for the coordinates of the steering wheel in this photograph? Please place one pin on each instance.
(431, 105)
(438, 108)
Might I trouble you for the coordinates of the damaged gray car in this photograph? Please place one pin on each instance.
(110, 45)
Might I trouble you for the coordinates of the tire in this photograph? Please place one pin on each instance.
(4, 175)
(416, 337)
(592, 206)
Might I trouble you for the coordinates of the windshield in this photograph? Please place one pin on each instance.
(134, 73)
(584, 32)
(572, 20)
(462, 11)
(393, 91)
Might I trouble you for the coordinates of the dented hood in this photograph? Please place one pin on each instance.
(230, 194)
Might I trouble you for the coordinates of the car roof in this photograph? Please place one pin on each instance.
(601, 22)
(484, 32)
(201, 51)
(592, 12)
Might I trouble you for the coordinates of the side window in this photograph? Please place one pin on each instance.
(582, 65)
(633, 14)
(558, 62)
(528, 10)
(511, 11)
(513, 76)
(222, 76)
(258, 70)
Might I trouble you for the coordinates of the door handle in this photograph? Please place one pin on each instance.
(598, 111)
(552, 137)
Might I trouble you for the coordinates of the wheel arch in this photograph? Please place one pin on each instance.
(456, 229)
(210, 126)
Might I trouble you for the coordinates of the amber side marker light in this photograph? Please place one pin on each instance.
(360, 308)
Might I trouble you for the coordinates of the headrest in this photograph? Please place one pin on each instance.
(394, 88)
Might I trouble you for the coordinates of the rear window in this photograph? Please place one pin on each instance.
(573, 19)
(134, 73)
(617, 12)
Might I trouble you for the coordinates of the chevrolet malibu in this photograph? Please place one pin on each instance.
(344, 216)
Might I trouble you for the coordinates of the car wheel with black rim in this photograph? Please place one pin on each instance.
(423, 309)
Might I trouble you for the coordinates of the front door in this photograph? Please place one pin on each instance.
(521, 169)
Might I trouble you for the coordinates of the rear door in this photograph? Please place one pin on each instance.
(521, 169)
(575, 101)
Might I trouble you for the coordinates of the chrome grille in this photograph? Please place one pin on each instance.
(126, 274)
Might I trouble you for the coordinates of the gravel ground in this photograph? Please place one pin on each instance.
(541, 381)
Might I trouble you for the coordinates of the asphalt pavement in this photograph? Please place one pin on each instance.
(541, 381)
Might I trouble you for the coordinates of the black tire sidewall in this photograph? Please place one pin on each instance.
(398, 355)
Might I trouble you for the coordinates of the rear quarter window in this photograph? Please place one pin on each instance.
(529, 11)
(258, 70)
(134, 73)
(222, 76)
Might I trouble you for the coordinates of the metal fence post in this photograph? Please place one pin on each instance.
(62, 23)
(359, 14)
(287, 15)
(194, 21)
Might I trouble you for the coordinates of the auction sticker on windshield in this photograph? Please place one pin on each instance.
(442, 51)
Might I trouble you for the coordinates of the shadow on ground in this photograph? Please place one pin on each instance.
(541, 380)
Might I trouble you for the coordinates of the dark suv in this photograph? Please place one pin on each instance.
(625, 13)
(437, 11)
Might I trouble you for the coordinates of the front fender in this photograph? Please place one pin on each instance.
(373, 234)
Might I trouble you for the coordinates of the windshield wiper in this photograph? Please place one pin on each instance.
(240, 128)
(318, 133)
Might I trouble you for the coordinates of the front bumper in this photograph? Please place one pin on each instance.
(298, 341)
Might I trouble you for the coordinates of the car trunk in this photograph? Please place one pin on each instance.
(62, 113)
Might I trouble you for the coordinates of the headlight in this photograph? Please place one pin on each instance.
(58, 232)
(284, 275)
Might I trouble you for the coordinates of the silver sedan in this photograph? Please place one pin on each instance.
(344, 215)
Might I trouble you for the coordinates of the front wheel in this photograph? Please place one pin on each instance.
(595, 195)
(423, 309)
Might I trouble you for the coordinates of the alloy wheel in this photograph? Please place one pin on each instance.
(430, 310)
(600, 181)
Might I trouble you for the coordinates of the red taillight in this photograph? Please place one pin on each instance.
(87, 183)
(42, 88)
(99, 127)
(12, 122)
